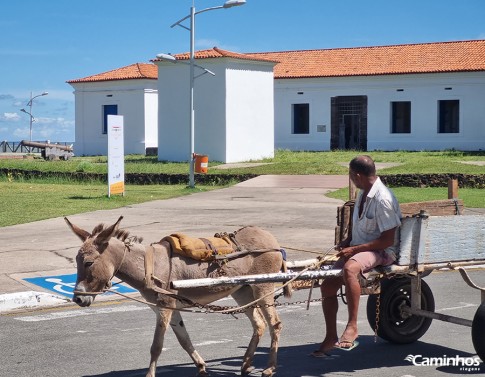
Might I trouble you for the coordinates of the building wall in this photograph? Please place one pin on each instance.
(130, 97)
(233, 110)
(250, 103)
(424, 91)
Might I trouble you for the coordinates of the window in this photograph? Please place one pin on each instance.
(108, 110)
(449, 116)
(401, 117)
(301, 118)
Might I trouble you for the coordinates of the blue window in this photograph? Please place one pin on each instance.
(108, 110)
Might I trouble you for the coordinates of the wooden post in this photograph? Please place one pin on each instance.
(352, 190)
(453, 189)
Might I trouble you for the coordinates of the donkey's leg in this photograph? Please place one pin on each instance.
(272, 319)
(180, 331)
(163, 318)
(242, 297)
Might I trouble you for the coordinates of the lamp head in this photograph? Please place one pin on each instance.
(45, 93)
(233, 3)
(23, 110)
(167, 57)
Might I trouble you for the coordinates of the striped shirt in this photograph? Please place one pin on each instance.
(381, 212)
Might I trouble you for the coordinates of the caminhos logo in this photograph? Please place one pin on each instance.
(466, 364)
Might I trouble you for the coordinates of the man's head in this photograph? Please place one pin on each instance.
(362, 171)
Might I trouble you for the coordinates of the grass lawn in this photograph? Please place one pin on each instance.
(24, 202)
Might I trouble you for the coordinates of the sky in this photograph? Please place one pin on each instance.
(44, 43)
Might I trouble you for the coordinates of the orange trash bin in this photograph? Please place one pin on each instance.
(201, 163)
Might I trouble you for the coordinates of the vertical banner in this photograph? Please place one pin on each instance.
(116, 156)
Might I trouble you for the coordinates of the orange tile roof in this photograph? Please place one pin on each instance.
(130, 72)
(220, 53)
(381, 60)
(439, 57)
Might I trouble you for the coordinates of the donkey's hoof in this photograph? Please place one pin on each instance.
(248, 370)
(268, 372)
(203, 373)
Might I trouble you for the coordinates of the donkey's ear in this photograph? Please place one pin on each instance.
(81, 233)
(103, 238)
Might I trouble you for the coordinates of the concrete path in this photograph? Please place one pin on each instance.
(294, 208)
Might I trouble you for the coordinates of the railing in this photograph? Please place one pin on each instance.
(18, 147)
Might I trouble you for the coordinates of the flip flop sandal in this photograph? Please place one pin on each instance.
(354, 344)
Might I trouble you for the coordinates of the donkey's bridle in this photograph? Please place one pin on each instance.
(108, 284)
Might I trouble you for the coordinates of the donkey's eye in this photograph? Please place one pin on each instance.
(88, 264)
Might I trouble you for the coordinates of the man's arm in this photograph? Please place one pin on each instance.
(385, 240)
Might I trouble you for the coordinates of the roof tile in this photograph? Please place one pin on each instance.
(459, 56)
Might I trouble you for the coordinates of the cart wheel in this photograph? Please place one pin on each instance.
(393, 325)
(478, 329)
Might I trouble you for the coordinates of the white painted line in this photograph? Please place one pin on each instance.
(28, 300)
(81, 312)
(210, 342)
(465, 305)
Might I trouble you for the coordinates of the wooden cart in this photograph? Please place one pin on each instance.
(404, 308)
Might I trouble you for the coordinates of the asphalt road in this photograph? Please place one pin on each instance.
(112, 339)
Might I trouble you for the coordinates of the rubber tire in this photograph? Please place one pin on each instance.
(392, 327)
(478, 331)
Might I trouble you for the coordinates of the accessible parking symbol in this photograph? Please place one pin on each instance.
(64, 284)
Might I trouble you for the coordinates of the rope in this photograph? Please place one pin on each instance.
(223, 311)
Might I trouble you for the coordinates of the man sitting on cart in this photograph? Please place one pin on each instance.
(376, 218)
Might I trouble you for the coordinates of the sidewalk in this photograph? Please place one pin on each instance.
(293, 208)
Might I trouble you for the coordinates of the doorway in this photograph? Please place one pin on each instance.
(349, 123)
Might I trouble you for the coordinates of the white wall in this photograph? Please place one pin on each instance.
(424, 91)
(250, 103)
(130, 96)
(233, 110)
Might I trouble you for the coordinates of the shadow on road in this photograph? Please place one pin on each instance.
(294, 361)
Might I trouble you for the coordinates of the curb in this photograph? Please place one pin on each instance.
(29, 300)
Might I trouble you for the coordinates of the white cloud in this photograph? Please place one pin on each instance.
(9, 117)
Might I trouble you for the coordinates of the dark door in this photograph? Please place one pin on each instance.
(349, 123)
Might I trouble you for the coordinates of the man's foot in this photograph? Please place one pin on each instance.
(325, 347)
(346, 345)
(348, 341)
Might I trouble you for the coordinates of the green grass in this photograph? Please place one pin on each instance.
(284, 162)
(23, 202)
(472, 198)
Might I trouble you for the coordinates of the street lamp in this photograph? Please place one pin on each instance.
(191, 28)
(32, 119)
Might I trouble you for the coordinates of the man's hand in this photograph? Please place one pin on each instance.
(346, 252)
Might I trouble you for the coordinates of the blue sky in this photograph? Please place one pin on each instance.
(44, 43)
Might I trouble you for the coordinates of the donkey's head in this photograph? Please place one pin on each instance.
(95, 268)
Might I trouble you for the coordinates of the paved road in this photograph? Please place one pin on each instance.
(112, 339)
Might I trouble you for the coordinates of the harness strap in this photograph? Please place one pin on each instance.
(149, 267)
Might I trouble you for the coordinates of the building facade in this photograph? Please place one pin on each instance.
(406, 97)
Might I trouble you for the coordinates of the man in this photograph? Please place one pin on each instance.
(375, 220)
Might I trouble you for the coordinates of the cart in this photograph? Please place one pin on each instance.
(401, 309)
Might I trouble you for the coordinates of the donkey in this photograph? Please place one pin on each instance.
(109, 251)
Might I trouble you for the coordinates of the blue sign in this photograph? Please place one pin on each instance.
(64, 284)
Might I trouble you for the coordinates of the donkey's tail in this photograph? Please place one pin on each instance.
(287, 289)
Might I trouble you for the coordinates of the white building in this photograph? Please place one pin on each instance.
(410, 97)
(129, 91)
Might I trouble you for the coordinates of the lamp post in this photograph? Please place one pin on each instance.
(191, 29)
(30, 112)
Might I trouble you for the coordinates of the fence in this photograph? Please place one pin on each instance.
(18, 147)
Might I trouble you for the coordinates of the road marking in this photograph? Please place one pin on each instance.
(64, 284)
(81, 312)
(466, 305)
(210, 342)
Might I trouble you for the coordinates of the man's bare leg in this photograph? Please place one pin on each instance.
(329, 291)
(351, 273)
